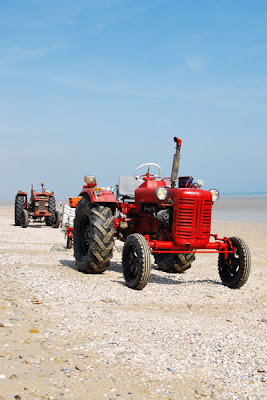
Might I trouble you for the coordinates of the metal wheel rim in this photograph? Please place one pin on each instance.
(232, 266)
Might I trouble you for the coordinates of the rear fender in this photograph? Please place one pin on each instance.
(105, 198)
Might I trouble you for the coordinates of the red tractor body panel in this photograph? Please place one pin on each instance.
(98, 195)
(146, 193)
(191, 217)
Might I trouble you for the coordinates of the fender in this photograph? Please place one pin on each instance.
(98, 195)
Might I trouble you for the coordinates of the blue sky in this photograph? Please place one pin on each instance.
(100, 86)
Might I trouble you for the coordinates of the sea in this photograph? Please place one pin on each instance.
(243, 207)
(247, 207)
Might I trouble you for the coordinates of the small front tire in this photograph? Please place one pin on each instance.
(234, 271)
(136, 261)
(57, 219)
(24, 219)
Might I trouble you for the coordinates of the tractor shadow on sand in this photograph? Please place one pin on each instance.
(69, 264)
(36, 225)
(165, 280)
(169, 281)
(116, 267)
(156, 279)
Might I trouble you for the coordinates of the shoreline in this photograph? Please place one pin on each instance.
(251, 208)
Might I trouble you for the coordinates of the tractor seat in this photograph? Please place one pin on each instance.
(126, 188)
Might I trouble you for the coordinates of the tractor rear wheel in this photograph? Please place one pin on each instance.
(19, 206)
(52, 209)
(24, 218)
(93, 238)
(234, 270)
(136, 261)
(174, 263)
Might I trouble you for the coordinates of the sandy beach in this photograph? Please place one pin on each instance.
(67, 335)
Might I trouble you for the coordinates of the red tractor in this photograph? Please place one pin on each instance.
(153, 215)
(42, 207)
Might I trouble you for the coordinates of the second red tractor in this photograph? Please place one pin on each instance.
(41, 207)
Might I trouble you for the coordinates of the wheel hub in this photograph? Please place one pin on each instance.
(86, 235)
(132, 263)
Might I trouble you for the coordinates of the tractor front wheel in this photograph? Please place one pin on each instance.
(174, 263)
(93, 237)
(57, 219)
(234, 270)
(24, 219)
(136, 261)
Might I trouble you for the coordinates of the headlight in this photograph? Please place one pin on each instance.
(161, 193)
(215, 194)
(198, 184)
(97, 191)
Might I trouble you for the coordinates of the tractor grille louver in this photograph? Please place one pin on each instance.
(41, 207)
(193, 218)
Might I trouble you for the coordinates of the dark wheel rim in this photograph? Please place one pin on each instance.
(131, 262)
(231, 266)
(85, 235)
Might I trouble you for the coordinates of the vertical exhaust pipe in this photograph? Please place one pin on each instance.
(176, 162)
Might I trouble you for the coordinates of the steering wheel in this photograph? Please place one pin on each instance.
(140, 177)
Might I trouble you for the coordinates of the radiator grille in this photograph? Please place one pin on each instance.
(193, 218)
(41, 207)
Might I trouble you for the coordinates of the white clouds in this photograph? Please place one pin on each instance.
(23, 53)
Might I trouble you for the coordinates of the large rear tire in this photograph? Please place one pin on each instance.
(174, 263)
(234, 271)
(19, 206)
(52, 209)
(136, 261)
(93, 237)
